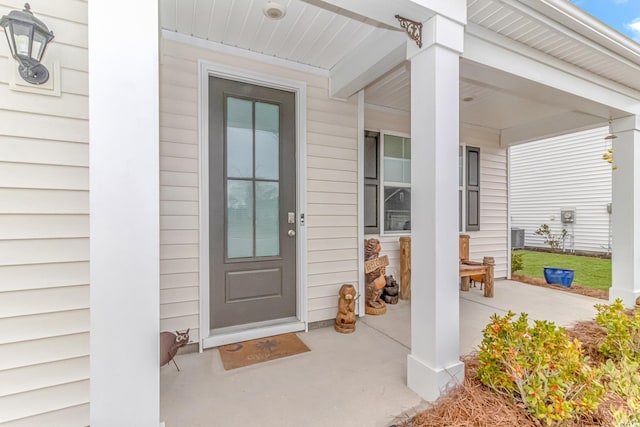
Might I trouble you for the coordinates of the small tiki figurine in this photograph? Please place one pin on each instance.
(169, 345)
(374, 281)
(346, 317)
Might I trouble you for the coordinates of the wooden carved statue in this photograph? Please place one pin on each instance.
(374, 281)
(346, 317)
(169, 345)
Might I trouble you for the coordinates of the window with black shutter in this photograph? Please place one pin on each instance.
(371, 182)
(472, 189)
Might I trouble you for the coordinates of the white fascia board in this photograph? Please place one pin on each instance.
(384, 11)
(488, 48)
(559, 124)
(369, 61)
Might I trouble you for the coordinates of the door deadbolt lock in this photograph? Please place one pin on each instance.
(291, 233)
(291, 217)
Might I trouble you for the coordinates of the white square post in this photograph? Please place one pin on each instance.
(124, 213)
(626, 211)
(434, 362)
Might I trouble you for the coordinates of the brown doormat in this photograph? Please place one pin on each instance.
(260, 350)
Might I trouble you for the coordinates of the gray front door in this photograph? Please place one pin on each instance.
(252, 217)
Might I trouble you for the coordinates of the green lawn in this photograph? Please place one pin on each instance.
(590, 272)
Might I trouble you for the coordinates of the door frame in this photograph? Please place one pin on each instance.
(205, 70)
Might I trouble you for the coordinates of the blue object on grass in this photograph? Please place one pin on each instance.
(558, 276)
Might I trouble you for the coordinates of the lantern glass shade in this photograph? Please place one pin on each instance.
(28, 38)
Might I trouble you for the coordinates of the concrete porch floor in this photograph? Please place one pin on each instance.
(345, 380)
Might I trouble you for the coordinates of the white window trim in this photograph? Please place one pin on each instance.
(382, 231)
(463, 209)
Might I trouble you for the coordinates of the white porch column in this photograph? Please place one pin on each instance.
(434, 361)
(124, 213)
(626, 211)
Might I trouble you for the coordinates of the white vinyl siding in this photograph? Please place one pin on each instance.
(563, 172)
(44, 232)
(491, 239)
(331, 215)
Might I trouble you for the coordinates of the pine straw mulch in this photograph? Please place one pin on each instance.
(472, 404)
(575, 289)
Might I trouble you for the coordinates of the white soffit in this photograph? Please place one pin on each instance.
(308, 34)
(517, 21)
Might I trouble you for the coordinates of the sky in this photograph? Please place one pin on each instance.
(621, 15)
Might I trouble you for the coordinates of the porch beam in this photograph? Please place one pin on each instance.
(625, 212)
(548, 127)
(498, 52)
(375, 57)
(434, 362)
(384, 11)
(124, 214)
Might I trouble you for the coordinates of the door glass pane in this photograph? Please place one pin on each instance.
(267, 140)
(239, 128)
(267, 214)
(397, 209)
(239, 218)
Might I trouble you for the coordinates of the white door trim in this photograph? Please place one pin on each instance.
(206, 69)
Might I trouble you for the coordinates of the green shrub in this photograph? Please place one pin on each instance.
(623, 331)
(517, 263)
(538, 366)
(623, 379)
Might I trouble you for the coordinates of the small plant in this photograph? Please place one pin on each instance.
(538, 366)
(553, 240)
(623, 379)
(623, 331)
(517, 263)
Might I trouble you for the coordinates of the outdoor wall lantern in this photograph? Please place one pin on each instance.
(28, 38)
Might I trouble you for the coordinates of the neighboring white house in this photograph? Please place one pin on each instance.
(563, 176)
(125, 211)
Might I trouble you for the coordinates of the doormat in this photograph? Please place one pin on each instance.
(260, 350)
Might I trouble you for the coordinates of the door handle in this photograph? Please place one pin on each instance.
(291, 233)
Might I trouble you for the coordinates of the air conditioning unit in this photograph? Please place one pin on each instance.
(517, 238)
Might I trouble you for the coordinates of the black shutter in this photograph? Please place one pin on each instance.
(473, 189)
(371, 183)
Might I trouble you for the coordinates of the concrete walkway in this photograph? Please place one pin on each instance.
(345, 380)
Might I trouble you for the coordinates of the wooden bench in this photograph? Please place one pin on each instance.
(469, 268)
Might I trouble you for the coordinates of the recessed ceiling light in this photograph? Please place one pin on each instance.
(273, 10)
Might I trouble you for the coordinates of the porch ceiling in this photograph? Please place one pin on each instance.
(348, 46)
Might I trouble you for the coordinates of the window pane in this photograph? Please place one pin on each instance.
(406, 169)
(267, 140)
(239, 219)
(397, 209)
(397, 159)
(267, 214)
(239, 138)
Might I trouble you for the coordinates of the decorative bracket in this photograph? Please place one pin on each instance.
(413, 29)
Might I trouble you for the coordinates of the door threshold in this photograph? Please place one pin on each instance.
(251, 331)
